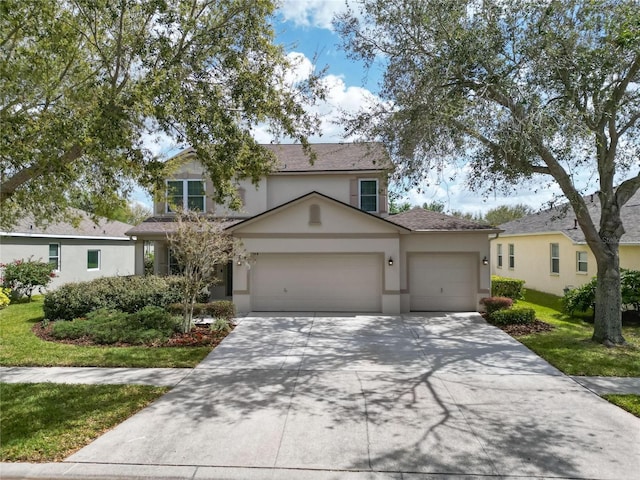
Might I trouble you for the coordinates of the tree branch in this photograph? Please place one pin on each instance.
(8, 187)
(627, 189)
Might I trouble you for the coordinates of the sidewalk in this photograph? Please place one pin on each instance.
(161, 377)
(170, 377)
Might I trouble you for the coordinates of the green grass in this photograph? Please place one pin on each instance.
(631, 403)
(20, 347)
(569, 346)
(43, 422)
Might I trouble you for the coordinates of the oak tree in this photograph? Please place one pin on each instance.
(523, 90)
(87, 86)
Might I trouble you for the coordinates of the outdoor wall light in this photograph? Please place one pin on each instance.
(390, 261)
(239, 262)
(485, 261)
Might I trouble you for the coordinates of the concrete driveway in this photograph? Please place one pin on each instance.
(365, 396)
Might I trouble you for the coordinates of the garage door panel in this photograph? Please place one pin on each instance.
(442, 282)
(316, 282)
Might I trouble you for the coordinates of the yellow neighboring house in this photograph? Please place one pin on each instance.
(549, 252)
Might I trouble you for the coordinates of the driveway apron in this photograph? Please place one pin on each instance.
(416, 394)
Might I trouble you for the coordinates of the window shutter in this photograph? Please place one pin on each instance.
(353, 194)
(382, 200)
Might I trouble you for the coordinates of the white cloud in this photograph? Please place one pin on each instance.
(311, 13)
(339, 99)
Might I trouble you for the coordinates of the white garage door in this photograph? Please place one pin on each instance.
(316, 282)
(442, 282)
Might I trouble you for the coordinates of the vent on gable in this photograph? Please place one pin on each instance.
(314, 215)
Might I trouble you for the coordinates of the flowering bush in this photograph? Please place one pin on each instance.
(25, 276)
(493, 304)
(5, 297)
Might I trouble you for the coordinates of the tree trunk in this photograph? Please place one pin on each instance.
(607, 326)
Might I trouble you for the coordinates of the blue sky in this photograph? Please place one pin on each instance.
(303, 27)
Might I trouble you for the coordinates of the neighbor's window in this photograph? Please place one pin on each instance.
(499, 256)
(93, 260)
(54, 255)
(555, 258)
(369, 195)
(512, 256)
(185, 194)
(581, 262)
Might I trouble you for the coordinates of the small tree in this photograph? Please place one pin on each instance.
(24, 276)
(200, 246)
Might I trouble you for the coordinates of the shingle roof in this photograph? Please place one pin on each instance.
(86, 228)
(166, 224)
(562, 219)
(330, 157)
(419, 219)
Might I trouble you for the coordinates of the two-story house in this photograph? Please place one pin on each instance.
(319, 238)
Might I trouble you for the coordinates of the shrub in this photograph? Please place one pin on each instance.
(507, 287)
(513, 316)
(630, 280)
(581, 298)
(70, 330)
(493, 304)
(221, 325)
(216, 309)
(105, 326)
(25, 276)
(5, 297)
(127, 294)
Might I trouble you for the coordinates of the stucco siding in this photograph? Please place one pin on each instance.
(284, 188)
(117, 257)
(630, 257)
(533, 261)
(330, 218)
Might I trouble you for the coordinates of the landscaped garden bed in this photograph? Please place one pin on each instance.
(199, 336)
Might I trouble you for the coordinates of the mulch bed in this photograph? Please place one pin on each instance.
(199, 336)
(536, 326)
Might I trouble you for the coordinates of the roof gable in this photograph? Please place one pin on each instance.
(334, 217)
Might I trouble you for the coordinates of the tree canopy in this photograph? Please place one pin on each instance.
(86, 86)
(545, 91)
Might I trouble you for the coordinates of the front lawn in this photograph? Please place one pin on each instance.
(569, 347)
(45, 422)
(20, 347)
(631, 403)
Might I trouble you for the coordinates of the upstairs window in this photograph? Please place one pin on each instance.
(555, 258)
(499, 256)
(54, 256)
(185, 194)
(368, 195)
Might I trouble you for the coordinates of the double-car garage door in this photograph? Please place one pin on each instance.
(353, 282)
(317, 282)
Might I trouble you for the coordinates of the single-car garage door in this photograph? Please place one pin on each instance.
(316, 282)
(442, 282)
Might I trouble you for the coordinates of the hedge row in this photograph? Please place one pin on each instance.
(510, 316)
(507, 287)
(127, 294)
(149, 325)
